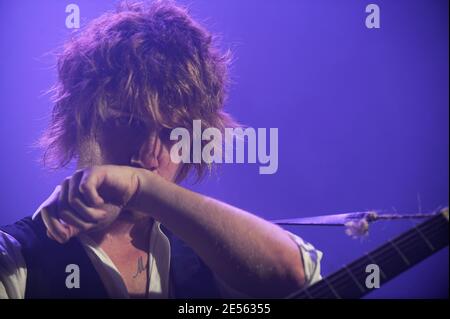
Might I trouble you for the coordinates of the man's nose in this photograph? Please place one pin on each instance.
(135, 162)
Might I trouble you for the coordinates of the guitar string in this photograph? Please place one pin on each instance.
(384, 255)
(336, 279)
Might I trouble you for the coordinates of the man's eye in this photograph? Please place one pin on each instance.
(164, 135)
(122, 121)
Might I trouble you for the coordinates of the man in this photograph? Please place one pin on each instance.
(121, 221)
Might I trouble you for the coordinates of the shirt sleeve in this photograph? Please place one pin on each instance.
(311, 258)
(13, 271)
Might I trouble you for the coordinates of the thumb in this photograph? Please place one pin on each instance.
(89, 185)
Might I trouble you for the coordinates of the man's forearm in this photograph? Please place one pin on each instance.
(248, 253)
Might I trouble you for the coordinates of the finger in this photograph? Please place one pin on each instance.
(50, 235)
(73, 184)
(54, 227)
(63, 196)
(89, 184)
(88, 214)
(72, 220)
(74, 199)
(65, 210)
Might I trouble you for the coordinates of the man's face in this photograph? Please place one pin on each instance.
(133, 145)
(154, 154)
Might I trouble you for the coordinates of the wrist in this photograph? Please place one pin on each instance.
(136, 179)
(140, 199)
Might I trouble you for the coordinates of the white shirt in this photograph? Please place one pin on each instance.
(13, 270)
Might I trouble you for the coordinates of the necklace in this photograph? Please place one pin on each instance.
(149, 266)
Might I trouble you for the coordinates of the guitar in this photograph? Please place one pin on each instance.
(392, 258)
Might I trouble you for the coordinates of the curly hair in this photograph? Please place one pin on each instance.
(151, 62)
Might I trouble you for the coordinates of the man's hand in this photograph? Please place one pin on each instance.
(90, 199)
(248, 253)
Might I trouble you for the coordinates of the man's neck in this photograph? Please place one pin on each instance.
(129, 227)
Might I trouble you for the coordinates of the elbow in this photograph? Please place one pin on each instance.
(289, 270)
(283, 279)
(291, 277)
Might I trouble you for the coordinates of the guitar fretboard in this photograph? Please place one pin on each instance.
(393, 258)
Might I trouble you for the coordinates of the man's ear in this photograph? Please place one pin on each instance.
(148, 153)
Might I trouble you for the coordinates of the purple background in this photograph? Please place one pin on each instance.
(362, 114)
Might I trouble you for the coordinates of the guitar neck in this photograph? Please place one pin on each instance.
(393, 258)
